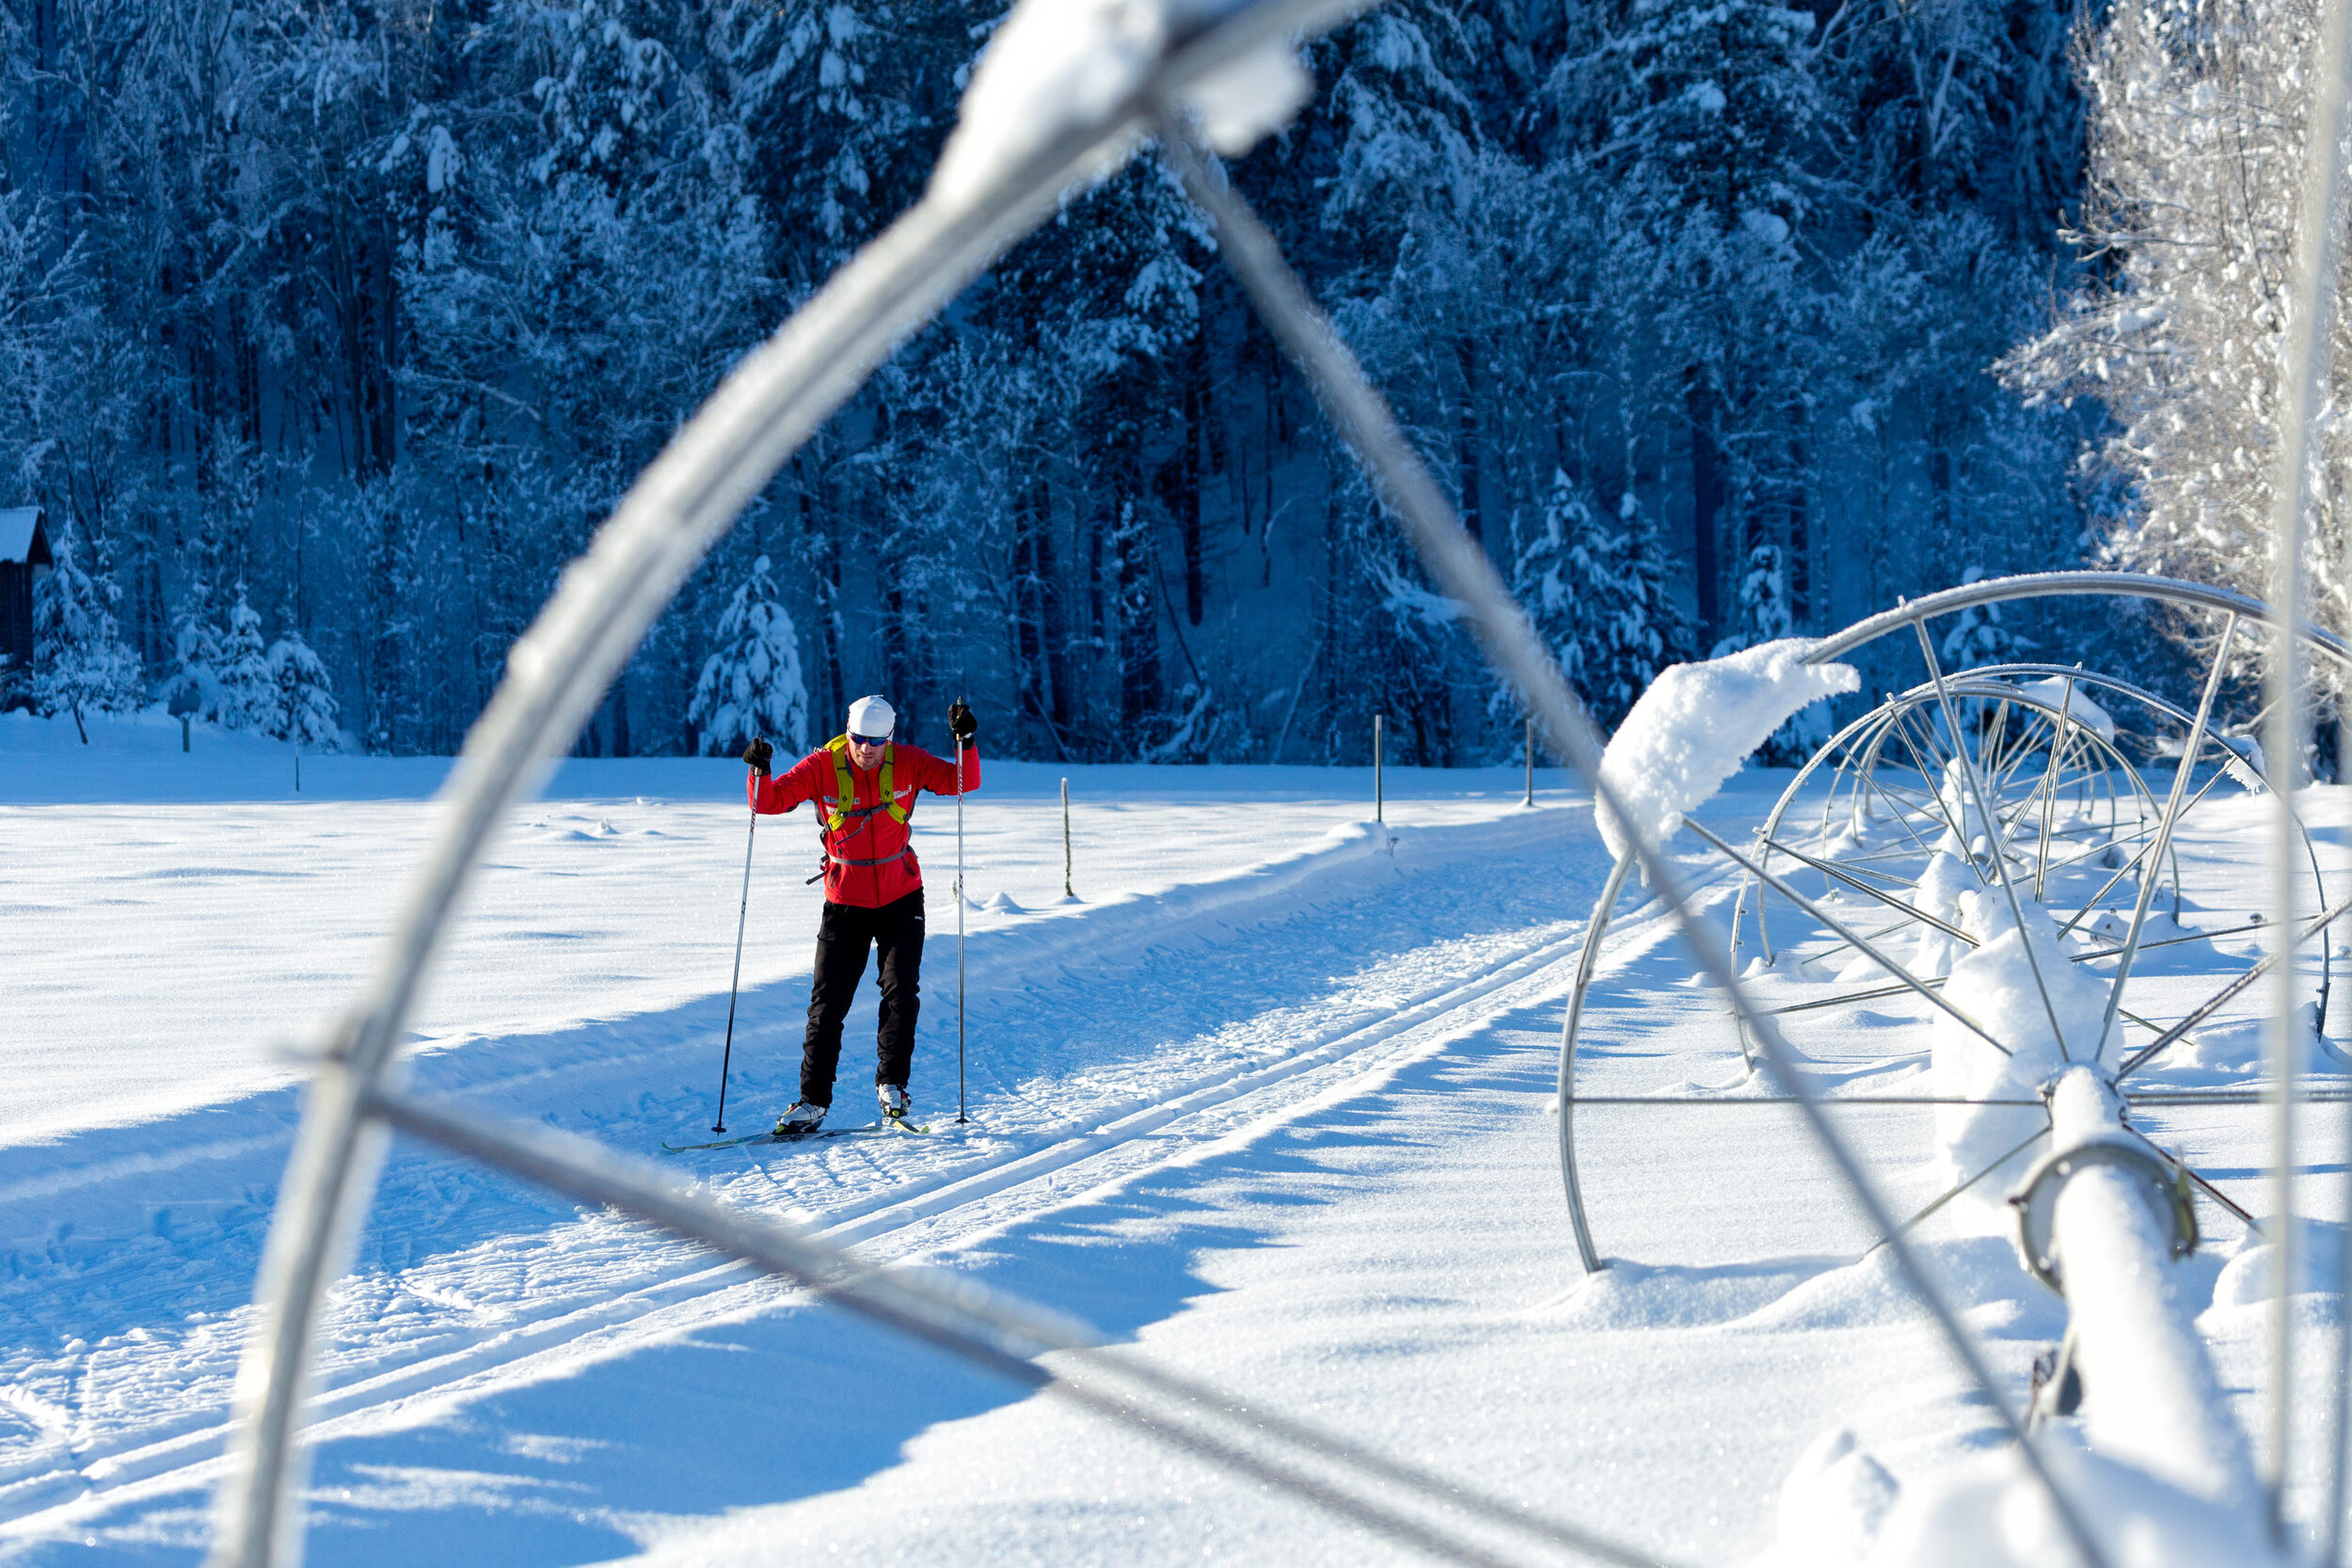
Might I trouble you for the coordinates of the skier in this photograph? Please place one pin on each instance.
(864, 788)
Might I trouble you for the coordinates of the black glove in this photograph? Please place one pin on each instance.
(961, 724)
(758, 756)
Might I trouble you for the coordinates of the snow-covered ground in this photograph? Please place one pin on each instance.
(1270, 1098)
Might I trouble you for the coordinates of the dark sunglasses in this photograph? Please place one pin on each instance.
(870, 740)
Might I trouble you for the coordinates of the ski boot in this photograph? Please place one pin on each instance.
(895, 1107)
(803, 1118)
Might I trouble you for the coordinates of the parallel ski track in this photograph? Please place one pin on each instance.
(926, 1214)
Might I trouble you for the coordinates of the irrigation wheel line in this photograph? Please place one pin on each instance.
(1464, 570)
(1860, 747)
(1891, 827)
(1991, 685)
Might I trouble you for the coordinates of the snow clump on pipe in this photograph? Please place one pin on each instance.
(1697, 724)
(1995, 985)
(1057, 64)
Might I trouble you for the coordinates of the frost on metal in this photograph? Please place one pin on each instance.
(1697, 724)
(1056, 64)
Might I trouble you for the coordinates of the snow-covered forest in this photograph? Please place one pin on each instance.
(1719, 319)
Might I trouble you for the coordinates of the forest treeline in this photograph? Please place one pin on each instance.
(362, 316)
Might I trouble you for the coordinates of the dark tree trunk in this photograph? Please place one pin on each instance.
(1707, 505)
(1184, 489)
(1465, 444)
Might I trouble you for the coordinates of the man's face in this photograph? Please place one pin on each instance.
(866, 752)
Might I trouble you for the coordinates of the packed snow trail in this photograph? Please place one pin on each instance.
(126, 1302)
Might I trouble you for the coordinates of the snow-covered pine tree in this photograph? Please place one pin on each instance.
(1540, 575)
(1764, 618)
(306, 693)
(751, 684)
(80, 662)
(1702, 114)
(1763, 603)
(1596, 589)
(1632, 628)
(249, 689)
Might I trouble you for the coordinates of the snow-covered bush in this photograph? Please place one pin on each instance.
(751, 684)
(81, 665)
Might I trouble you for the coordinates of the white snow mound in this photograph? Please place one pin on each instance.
(1053, 65)
(1996, 985)
(1697, 724)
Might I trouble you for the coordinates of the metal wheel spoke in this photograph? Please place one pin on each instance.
(2164, 831)
(2000, 862)
(1832, 922)
(2049, 798)
(2140, 836)
(1952, 1192)
(1829, 868)
(2222, 997)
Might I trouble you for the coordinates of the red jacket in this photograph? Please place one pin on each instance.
(869, 860)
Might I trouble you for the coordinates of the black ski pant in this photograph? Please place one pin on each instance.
(847, 931)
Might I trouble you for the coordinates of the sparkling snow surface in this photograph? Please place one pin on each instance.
(1273, 1101)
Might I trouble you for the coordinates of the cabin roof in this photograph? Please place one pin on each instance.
(23, 539)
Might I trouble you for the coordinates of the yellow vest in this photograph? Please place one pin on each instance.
(845, 804)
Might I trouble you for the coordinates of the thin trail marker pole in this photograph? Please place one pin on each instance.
(1531, 763)
(961, 1117)
(1377, 799)
(727, 1059)
(1066, 890)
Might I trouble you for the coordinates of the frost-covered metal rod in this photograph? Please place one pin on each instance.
(2058, 744)
(1511, 647)
(1006, 1336)
(2165, 826)
(2311, 332)
(1586, 960)
(1974, 782)
(2214, 1003)
(2044, 585)
(1935, 1204)
(559, 670)
(2303, 390)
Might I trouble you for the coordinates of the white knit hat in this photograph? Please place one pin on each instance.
(871, 717)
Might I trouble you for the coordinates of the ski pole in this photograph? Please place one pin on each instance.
(727, 1059)
(961, 1117)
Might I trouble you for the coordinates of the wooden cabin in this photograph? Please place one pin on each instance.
(25, 559)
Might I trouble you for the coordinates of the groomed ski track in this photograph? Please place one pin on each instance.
(467, 1285)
